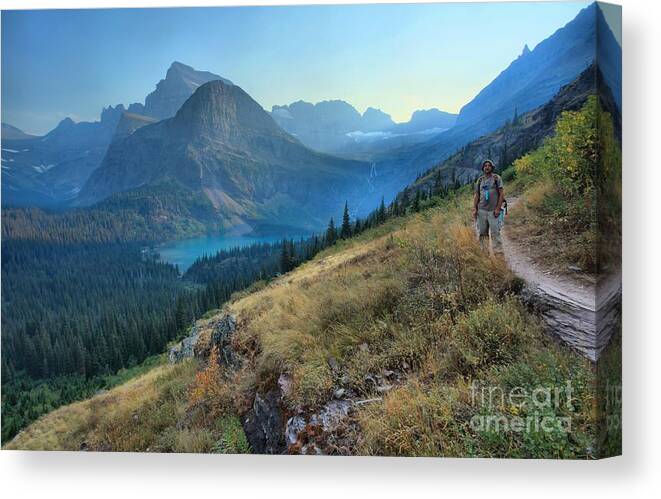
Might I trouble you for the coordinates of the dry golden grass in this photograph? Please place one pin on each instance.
(103, 420)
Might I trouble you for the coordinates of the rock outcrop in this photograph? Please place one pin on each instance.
(185, 348)
(264, 424)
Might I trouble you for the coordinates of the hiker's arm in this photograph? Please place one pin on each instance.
(501, 198)
(476, 200)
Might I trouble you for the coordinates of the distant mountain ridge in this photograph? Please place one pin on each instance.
(335, 126)
(51, 170)
(324, 126)
(426, 119)
(224, 147)
(535, 76)
(10, 132)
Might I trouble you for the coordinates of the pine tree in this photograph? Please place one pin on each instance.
(331, 233)
(345, 231)
(381, 214)
(404, 203)
(292, 255)
(438, 182)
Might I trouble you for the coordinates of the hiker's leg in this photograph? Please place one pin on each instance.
(483, 228)
(494, 228)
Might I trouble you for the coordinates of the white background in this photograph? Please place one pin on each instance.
(636, 474)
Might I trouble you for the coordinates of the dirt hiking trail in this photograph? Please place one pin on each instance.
(580, 314)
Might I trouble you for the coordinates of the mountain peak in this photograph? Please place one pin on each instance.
(65, 123)
(176, 65)
(224, 110)
(526, 50)
(180, 82)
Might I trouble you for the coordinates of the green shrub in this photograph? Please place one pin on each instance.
(312, 382)
(232, 438)
(508, 174)
(493, 333)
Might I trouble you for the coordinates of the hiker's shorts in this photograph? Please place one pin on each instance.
(489, 224)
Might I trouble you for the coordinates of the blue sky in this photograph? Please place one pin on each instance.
(397, 57)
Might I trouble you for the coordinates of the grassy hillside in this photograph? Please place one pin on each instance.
(410, 315)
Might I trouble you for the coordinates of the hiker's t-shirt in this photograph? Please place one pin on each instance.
(487, 188)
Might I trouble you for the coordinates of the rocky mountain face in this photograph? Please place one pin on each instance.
(129, 123)
(51, 170)
(224, 147)
(609, 56)
(535, 76)
(374, 119)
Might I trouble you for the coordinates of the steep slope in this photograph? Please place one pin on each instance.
(50, 170)
(376, 347)
(223, 146)
(528, 82)
(129, 123)
(521, 136)
(535, 76)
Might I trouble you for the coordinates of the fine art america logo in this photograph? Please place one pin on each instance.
(520, 409)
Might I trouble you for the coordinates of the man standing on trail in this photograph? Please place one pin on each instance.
(487, 204)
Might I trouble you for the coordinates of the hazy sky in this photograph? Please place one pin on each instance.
(398, 58)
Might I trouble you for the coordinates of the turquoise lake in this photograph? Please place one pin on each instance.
(185, 251)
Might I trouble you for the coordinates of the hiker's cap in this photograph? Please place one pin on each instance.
(488, 161)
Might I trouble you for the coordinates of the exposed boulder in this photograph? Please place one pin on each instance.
(185, 348)
(222, 340)
(321, 432)
(264, 424)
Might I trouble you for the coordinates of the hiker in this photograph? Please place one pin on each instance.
(487, 205)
